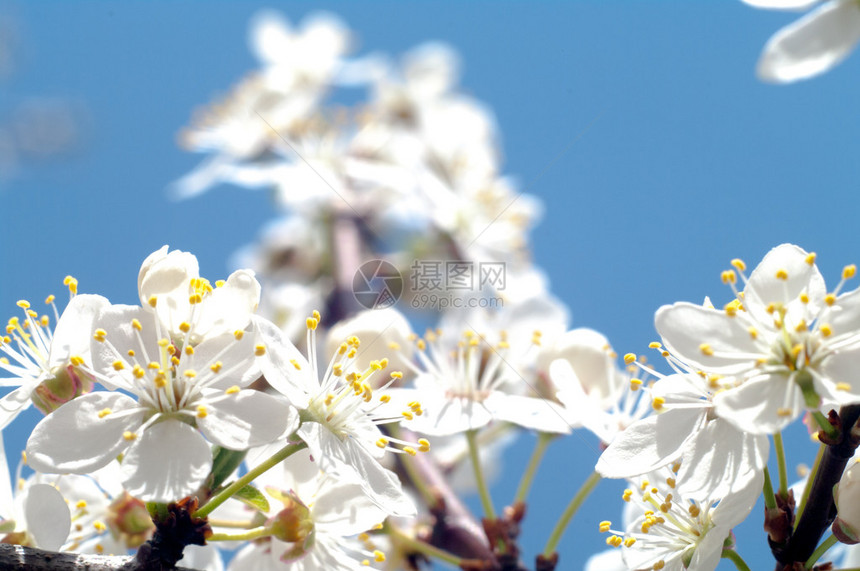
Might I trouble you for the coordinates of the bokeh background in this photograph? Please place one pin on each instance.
(641, 125)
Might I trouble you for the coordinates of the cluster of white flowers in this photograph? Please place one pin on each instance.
(313, 454)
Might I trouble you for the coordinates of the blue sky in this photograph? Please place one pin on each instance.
(641, 125)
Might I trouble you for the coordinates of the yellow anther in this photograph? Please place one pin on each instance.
(174, 360)
(396, 375)
(185, 327)
(163, 343)
(739, 264)
(783, 412)
(260, 350)
(118, 365)
(71, 283)
(605, 526)
(80, 504)
(659, 565)
(219, 283)
(731, 308)
(629, 358)
(407, 415)
(50, 299)
(195, 298)
(635, 384)
(100, 527)
(423, 445)
(409, 450)
(129, 435)
(795, 351)
(629, 542)
(694, 510)
(378, 556)
(383, 363)
(138, 372)
(826, 330)
(843, 387)
(44, 320)
(729, 277)
(190, 373)
(421, 345)
(394, 346)
(753, 332)
(316, 315)
(216, 367)
(100, 335)
(848, 272)
(365, 562)
(657, 403)
(382, 442)
(160, 380)
(23, 304)
(801, 326)
(781, 274)
(312, 323)
(201, 411)
(830, 299)
(375, 366)
(153, 365)
(104, 412)
(804, 298)
(670, 482)
(189, 350)
(654, 345)
(238, 334)
(364, 537)
(385, 398)
(810, 258)
(706, 349)
(76, 360)
(152, 301)
(628, 493)
(232, 390)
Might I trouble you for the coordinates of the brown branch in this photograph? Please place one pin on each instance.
(19, 558)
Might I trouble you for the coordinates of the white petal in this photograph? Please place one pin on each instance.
(47, 516)
(247, 418)
(650, 443)
(754, 406)
(685, 327)
(168, 462)
(202, 557)
(229, 307)
(344, 509)
(74, 439)
(168, 277)
(782, 4)
(764, 288)
(116, 320)
(813, 44)
(16, 401)
(840, 369)
(844, 316)
(529, 412)
(74, 329)
(444, 415)
(277, 364)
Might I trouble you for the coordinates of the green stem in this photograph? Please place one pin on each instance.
(820, 550)
(735, 558)
(587, 487)
(780, 459)
(825, 425)
(769, 499)
(418, 546)
(528, 476)
(255, 533)
(230, 523)
(486, 501)
(808, 487)
(228, 492)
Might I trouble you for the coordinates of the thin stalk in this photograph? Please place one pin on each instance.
(529, 475)
(486, 501)
(735, 558)
(825, 425)
(249, 535)
(418, 546)
(820, 550)
(808, 487)
(228, 492)
(557, 532)
(780, 459)
(767, 491)
(230, 523)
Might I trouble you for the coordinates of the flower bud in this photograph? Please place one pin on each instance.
(67, 383)
(846, 494)
(293, 524)
(129, 520)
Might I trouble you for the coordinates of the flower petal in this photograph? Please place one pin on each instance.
(765, 288)
(244, 419)
(47, 516)
(813, 44)
(79, 438)
(168, 462)
(762, 405)
(686, 328)
(74, 329)
(529, 412)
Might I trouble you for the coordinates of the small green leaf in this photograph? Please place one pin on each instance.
(224, 463)
(253, 497)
